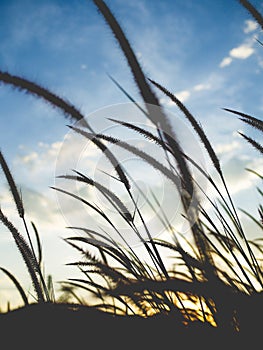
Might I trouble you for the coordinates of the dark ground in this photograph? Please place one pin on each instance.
(56, 326)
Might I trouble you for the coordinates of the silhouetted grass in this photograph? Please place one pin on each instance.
(217, 276)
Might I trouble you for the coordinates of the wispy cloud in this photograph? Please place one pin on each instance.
(224, 148)
(244, 50)
(241, 52)
(250, 26)
(237, 177)
(225, 62)
(202, 87)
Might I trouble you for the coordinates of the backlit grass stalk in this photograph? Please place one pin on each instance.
(159, 119)
(27, 255)
(151, 160)
(17, 285)
(34, 89)
(138, 286)
(20, 208)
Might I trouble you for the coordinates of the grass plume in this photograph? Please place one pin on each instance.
(12, 186)
(30, 87)
(214, 270)
(27, 255)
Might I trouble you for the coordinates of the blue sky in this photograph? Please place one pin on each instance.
(203, 51)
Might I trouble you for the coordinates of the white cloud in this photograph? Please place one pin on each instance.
(226, 147)
(37, 166)
(29, 158)
(242, 184)
(250, 26)
(237, 177)
(201, 87)
(42, 208)
(57, 158)
(225, 62)
(241, 52)
(183, 95)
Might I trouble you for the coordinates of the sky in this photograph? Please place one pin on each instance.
(205, 52)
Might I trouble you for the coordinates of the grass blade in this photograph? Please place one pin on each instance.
(12, 186)
(27, 255)
(25, 85)
(17, 284)
(254, 143)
